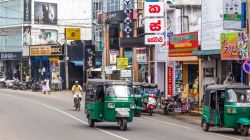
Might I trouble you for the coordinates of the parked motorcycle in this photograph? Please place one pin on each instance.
(10, 83)
(3, 82)
(36, 87)
(172, 104)
(19, 85)
(149, 104)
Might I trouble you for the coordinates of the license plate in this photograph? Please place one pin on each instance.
(122, 109)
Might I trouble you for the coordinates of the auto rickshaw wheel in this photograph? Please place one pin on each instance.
(245, 131)
(91, 122)
(123, 124)
(205, 126)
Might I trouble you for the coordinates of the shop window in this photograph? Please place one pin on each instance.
(209, 72)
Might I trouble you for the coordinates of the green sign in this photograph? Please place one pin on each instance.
(232, 17)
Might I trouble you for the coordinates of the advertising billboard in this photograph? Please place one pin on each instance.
(45, 13)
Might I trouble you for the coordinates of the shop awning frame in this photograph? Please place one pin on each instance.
(206, 52)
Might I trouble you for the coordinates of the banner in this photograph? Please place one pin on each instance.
(26, 35)
(43, 36)
(122, 63)
(27, 11)
(232, 14)
(45, 13)
(170, 81)
(234, 46)
(141, 55)
(183, 44)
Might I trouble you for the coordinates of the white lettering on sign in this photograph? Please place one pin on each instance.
(8, 56)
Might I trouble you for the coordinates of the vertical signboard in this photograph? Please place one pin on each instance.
(113, 55)
(27, 11)
(141, 55)
(232, 14)
(170, 81)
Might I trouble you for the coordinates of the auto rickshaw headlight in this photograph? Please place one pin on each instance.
(231, 110)
(132, 106)
(111, 105)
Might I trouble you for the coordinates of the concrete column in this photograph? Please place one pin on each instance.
(200, 81)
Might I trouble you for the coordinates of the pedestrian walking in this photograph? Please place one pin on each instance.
(44, 86)
(47, 86)
(60, 81)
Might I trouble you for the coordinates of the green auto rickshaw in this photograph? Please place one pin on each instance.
(109, 101)
(227, 106)
(138, 98)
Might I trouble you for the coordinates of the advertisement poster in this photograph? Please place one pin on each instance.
(141, 55)
(234, 46)
(113, 55)
(45, 13)
(232, 14)
(43, 36)
(122, 63)
(183, 44)
(26, 35)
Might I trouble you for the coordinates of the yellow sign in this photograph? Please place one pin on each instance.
(73, 33)
(45, 50)
(122, 63)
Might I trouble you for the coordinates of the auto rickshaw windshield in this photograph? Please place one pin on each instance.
(239, 95)
(119, 91)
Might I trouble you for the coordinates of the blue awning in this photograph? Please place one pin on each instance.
(206, 52)
(77, 63)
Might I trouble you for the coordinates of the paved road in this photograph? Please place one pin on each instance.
(33, 116)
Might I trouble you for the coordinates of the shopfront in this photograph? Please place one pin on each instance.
(10, 65)
(184, 70)
(45, 62)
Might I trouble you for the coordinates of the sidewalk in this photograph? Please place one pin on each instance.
(193, 119)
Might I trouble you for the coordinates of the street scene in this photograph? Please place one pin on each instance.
(124, 69)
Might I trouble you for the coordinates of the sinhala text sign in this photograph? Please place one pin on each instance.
(234, 46)
(122, 63)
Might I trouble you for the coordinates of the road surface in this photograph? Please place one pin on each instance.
(32, 116)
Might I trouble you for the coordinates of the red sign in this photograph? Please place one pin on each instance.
(154, 9)
(183, 44)
(170, 82)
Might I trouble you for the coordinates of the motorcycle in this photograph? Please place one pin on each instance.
(36, 87)
(19, 85)
(149, 104)
(77, 103)
(172, 104)
(10, 83)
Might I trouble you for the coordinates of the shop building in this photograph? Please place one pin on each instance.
(41, 25)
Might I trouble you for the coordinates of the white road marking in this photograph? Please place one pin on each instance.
(71, 116)
(189, 128)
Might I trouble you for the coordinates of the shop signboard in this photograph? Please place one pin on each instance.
(109, 70)
(154, 25)
(232, 14)
(27, 11)
(234, 46)
(113, 55)
(126, 73)
(183, 44)
(141, 55)
(73, 33)
(122, 63)
(154, 39)
(45, 13)
(170, 81)
(45, 50)
(154, 9)
(10, 55)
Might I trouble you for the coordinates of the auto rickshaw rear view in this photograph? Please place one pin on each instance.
(227, 106)
(109, 101)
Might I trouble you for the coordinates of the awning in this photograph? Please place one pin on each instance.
(77, 63)
(184, 58)
(206, 52)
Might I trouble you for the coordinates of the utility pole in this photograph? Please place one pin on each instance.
(166, 39)
(66, 64)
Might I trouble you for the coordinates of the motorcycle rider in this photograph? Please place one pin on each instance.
(77, 90)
